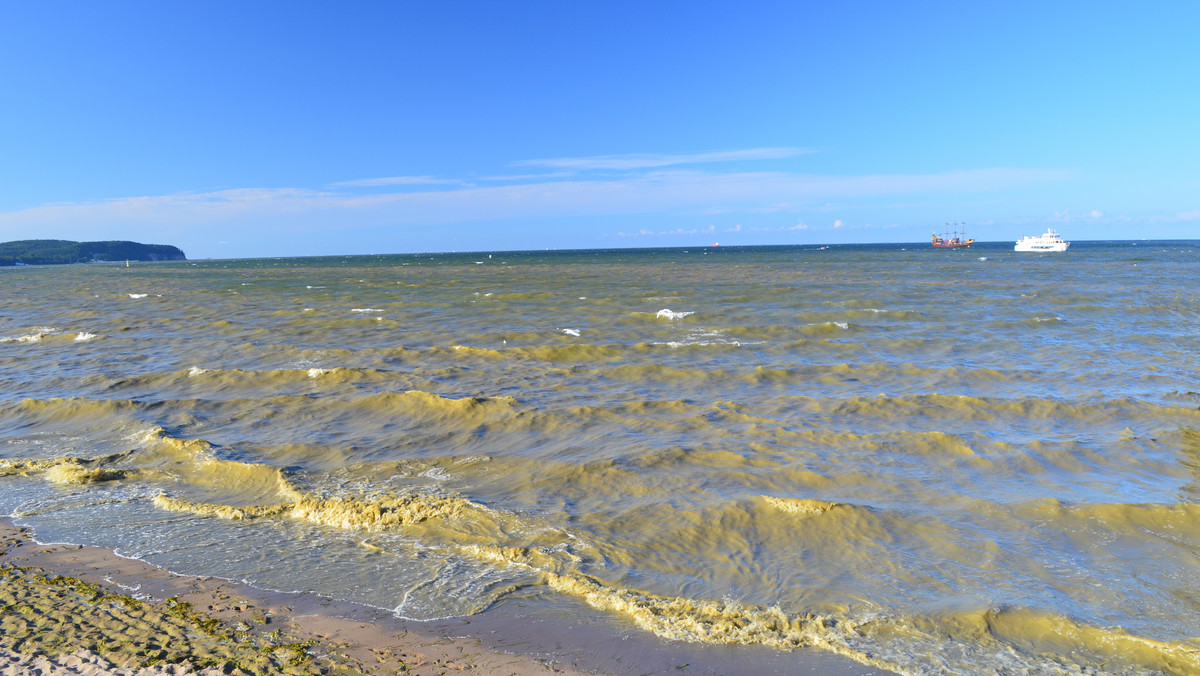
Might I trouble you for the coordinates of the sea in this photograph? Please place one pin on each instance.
(968, 461)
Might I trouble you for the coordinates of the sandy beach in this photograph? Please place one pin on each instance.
(83, 610)
(71, 609)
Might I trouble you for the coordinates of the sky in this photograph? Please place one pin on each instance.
(255, 129)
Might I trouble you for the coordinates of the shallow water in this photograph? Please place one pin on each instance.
(969, 461)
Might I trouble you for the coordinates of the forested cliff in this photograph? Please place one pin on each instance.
(58, 251)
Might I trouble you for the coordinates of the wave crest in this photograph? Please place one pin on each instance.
(68, 470)
(800, 506)
(344, 513)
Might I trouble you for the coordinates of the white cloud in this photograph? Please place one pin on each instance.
(1065, 216)
(528, 177)
(649, 160)
(669, 233)
(277, 216)
(838, 223)
(394, 180)
(659, 191)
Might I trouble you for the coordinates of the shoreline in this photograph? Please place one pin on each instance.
(135, 615)
(78, 609)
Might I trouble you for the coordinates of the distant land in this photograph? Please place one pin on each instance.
(61, 251)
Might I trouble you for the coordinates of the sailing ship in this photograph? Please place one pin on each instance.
(956, 238)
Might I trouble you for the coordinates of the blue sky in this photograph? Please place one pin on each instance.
(295, 128)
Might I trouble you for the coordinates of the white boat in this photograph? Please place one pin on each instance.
(1050, 241)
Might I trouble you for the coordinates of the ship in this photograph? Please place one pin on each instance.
(955, 239)
(1050, 241)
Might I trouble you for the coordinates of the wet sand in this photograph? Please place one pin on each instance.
(69, 609)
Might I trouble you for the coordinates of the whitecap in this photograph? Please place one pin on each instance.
(138, 295)
(195, 371)
(473, 459)
(317, 373)
(705, 338)
(675, 344)
(365, 309)
(571, 332)
(36, 334)
(672, 315)
(30, 338)
(84, 335)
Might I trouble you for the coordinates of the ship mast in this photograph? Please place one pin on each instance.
(958, 231)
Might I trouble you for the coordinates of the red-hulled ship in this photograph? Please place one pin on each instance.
(956, 239)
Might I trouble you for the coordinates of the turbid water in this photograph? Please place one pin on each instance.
(969, 461)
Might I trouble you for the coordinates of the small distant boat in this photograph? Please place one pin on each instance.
(1049, 241)
(956, 239)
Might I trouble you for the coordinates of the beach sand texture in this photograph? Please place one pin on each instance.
(67, 609)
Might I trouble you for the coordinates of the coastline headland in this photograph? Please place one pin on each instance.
(61, 252)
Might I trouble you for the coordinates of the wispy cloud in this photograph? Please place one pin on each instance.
(712, 229)
(653, 192)
(676, 232)
(1065, 216)
(674, 191)
(299, 215)
(649, 161)
(394, 180)
(529, 177)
